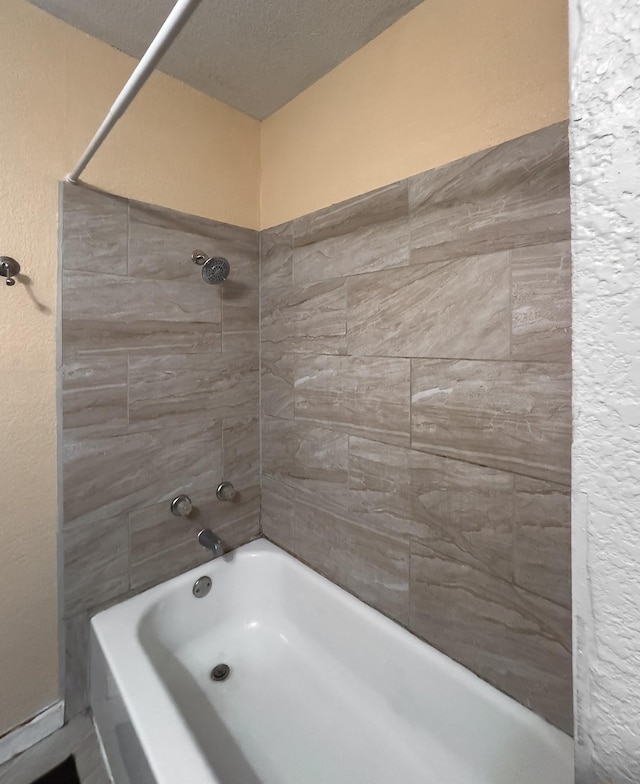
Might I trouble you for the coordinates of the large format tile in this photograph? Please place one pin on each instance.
(116, 314)
(541, 294)
(104, 477)
(506, 197)
(510, 415)
(96, 563)
(455, 309)
(542, 518)
(366, 233)
(161, 242)
(276, 256)
(94, 395)
(311, 461)
(172, 390)
(373, 566)
(380, 488)
(94, 231)
(278, 513)
(277, 383)
(465, 510)
(306, 318)
(517, 641)
(366, 397)
(240, 309)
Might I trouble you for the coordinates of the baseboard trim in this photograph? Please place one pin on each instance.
(26, 735)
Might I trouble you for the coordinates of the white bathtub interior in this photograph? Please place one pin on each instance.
(323, 690)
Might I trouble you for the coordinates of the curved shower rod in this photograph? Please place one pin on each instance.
(173, 24)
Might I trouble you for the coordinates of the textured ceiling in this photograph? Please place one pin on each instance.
(252, 54)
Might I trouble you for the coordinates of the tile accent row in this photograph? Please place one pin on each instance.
(416, 407)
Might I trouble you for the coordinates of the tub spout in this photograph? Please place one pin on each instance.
(212, 542)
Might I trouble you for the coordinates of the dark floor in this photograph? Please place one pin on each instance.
(65, 773)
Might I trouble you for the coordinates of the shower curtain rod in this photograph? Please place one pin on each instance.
(173, 24)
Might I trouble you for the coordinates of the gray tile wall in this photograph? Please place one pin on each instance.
(416, 397)
(160, 384)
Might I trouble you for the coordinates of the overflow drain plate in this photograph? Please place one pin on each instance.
(220, 672)
(201, 587)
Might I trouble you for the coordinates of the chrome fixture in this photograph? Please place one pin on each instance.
(201, 587)
(212, 542)
(215, 269)
(181, 506)
(9, 268)
(220, 672)
(225, 491)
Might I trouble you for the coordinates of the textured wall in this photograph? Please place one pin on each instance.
(605, 163)
(160, 397)
(445, 81)
(416, 407)
(174, 147)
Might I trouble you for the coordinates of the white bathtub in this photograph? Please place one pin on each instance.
(323, 690)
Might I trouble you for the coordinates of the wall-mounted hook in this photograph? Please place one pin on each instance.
(9, 268)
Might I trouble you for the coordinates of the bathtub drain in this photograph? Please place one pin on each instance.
(220, 672)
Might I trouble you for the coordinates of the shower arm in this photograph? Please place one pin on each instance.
(172, 26)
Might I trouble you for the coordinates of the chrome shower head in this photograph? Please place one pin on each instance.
(215, 269)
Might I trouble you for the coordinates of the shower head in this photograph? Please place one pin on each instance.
(215, 269)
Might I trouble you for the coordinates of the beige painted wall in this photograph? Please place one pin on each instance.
(176, 147)
(448, 79)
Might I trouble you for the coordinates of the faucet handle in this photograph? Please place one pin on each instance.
(181, 506)
(225, 491)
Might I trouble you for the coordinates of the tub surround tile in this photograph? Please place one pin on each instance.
(276, 256)
(309, 319)
(380, 495)
(363, 234)
(543, 539)
(447, 368)
(180, 390)
(456, 309)
(160, 395)
(277, 378)
(241, 343)
(278, 513)
(516, 640)
(240, 308)
(466, 511)
(541, 292)
(111, 313)
(510, 415)
(106, 476)
(365, 397)
(510, 196)
(371, 565)
(107, 575)
(94, 230)
(94, 395)
(312, 462)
